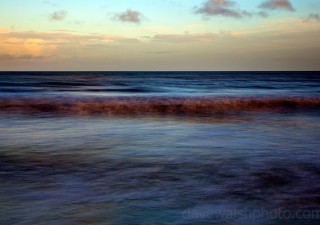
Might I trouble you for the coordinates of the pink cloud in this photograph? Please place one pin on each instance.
(221, 8)
(277, 4)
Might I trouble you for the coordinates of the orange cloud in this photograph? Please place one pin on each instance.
(15, 45)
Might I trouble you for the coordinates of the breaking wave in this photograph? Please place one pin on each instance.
(153, 105)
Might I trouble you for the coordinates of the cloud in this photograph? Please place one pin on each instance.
(17, 49)
(58, 15)
(161, 52)
(49, 3)
(182, 38)
(312, 17)
(263, 14)
(7, 57)
(277, 4)
(37, 45)
(63, 37)
(50, 36)
(130, 16)
(221, 8)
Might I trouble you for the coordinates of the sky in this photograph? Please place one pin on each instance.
(154, 35)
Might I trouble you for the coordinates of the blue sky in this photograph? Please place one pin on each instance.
(159, 35)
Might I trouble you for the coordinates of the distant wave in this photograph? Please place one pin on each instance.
(153, 105)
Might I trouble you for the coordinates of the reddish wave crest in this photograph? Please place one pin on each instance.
(152, 105)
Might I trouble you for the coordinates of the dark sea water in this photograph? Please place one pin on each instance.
(159, 148)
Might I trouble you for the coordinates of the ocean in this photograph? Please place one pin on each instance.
(156, 148)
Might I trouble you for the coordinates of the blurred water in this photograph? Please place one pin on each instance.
(159, 83)
(252, 167)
